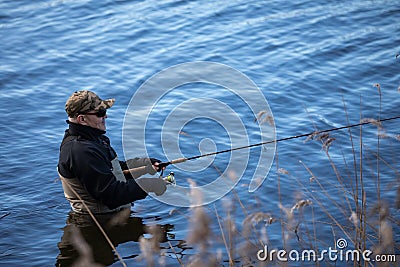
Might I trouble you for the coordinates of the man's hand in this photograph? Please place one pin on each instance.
(156, 185)
(157, 164)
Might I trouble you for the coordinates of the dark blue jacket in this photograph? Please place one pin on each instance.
(86, 155)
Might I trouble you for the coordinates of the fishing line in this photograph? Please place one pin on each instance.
(180, 160)
(164, 164)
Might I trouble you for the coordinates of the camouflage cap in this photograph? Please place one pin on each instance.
(84, 101)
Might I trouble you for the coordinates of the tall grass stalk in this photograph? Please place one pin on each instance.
(227, 247)
(366, 225)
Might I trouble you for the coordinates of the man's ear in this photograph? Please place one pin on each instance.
(81, 119)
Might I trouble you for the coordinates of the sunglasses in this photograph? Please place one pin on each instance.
(100, 113)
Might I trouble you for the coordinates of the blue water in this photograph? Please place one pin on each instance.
(309, 58)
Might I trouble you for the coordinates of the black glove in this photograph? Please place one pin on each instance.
(163, 164)
(156, 185)
(154, 161)
(160, 163)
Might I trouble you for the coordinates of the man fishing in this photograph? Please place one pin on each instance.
(92, 176)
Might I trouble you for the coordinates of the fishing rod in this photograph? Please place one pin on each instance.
(315, 133)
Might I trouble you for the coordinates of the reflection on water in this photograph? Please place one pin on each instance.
(84, 243)
(315, 63)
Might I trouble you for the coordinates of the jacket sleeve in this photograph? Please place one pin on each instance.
(94, 170)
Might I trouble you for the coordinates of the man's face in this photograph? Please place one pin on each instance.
(93, 120)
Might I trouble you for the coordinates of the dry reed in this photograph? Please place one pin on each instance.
(150, 247)
(365, 225)
(83, 248)
(232, 244)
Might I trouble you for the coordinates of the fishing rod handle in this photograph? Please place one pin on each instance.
(180, 160)
(162, 165)
(175, 161)
(140, 169)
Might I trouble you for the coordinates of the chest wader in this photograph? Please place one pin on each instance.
(72, 187)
